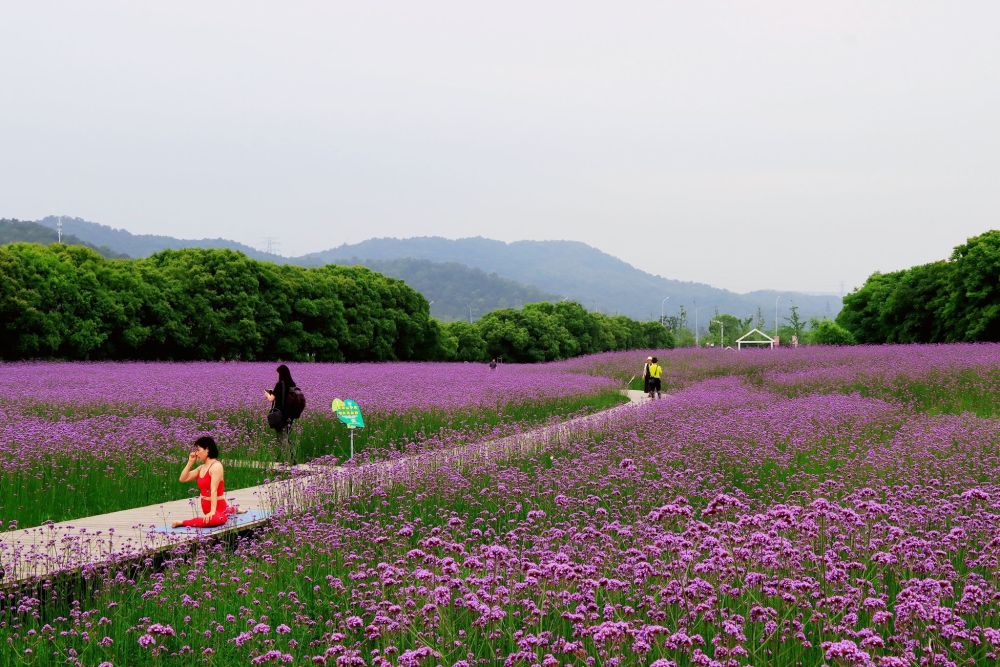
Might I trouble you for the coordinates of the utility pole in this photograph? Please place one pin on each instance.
(59, 230)
(776, 315)
(661, 311)
(696, 309)
(722, 333)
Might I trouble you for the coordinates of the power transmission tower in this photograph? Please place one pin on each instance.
(271, 245)
(59, 230)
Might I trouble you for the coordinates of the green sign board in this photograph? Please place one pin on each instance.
(348, 412)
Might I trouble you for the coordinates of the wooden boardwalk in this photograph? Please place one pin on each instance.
(89, 542)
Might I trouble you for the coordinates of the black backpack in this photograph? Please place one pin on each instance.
(295, 403)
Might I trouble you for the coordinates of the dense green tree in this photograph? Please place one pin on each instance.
(655, 336)
(828, 332)
(724, 329)
(973, 305)
(912, 310)
(30, 321)
(954, 300)
(530, 335)
(469, 344)
(214, 296)
(863, 307)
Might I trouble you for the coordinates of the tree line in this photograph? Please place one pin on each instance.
(548, 331)
(69, 302)
(951, 300)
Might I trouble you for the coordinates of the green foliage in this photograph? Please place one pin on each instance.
(973, 307)
(944, 301)
(828, 332)
(69, 302)
(795, 321)
(469, 344)
(724, 329)
(548, 331)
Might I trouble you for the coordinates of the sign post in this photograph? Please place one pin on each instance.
(348, 412)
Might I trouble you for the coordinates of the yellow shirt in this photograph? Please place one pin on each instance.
(655, 371)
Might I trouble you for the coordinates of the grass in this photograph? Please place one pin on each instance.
(71, 488)
(322, 436)
(68, 487)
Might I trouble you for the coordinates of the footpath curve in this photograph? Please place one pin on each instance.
(89, 543)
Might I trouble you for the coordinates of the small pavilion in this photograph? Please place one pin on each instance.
(754, 337)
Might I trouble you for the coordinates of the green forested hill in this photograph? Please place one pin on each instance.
(17, 231)
(569, 269)
(457, 292)
(585, 274)
(451, 286)
(144, 245)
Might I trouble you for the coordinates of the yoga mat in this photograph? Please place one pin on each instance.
(235, 521)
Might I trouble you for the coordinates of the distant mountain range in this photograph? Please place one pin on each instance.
(580, 272)
(144, 245)
(490, 274)
(455, 291)
(24, 231)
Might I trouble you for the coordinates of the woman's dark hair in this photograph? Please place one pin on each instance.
(285, 376)
(654, 360)
(208, 442)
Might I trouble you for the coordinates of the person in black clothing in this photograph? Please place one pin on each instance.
(646, 376)
(277, 396)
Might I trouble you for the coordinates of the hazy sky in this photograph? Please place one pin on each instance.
(786, 144)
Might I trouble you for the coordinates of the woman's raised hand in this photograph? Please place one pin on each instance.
(192, 456)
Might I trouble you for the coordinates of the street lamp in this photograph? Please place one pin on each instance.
(722, 333)
(470, 313)
(662, 303)
(776, 315)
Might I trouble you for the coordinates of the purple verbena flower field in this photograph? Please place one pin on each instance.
(223, 387)
(87, 438)
(815, 506)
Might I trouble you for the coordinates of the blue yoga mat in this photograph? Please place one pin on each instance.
(235, 521)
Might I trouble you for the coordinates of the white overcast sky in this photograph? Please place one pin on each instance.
(786, 144)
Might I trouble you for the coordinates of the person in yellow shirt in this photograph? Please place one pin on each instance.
(655, 373)
(645, 375)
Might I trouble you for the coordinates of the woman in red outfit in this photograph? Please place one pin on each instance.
(209, 475)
